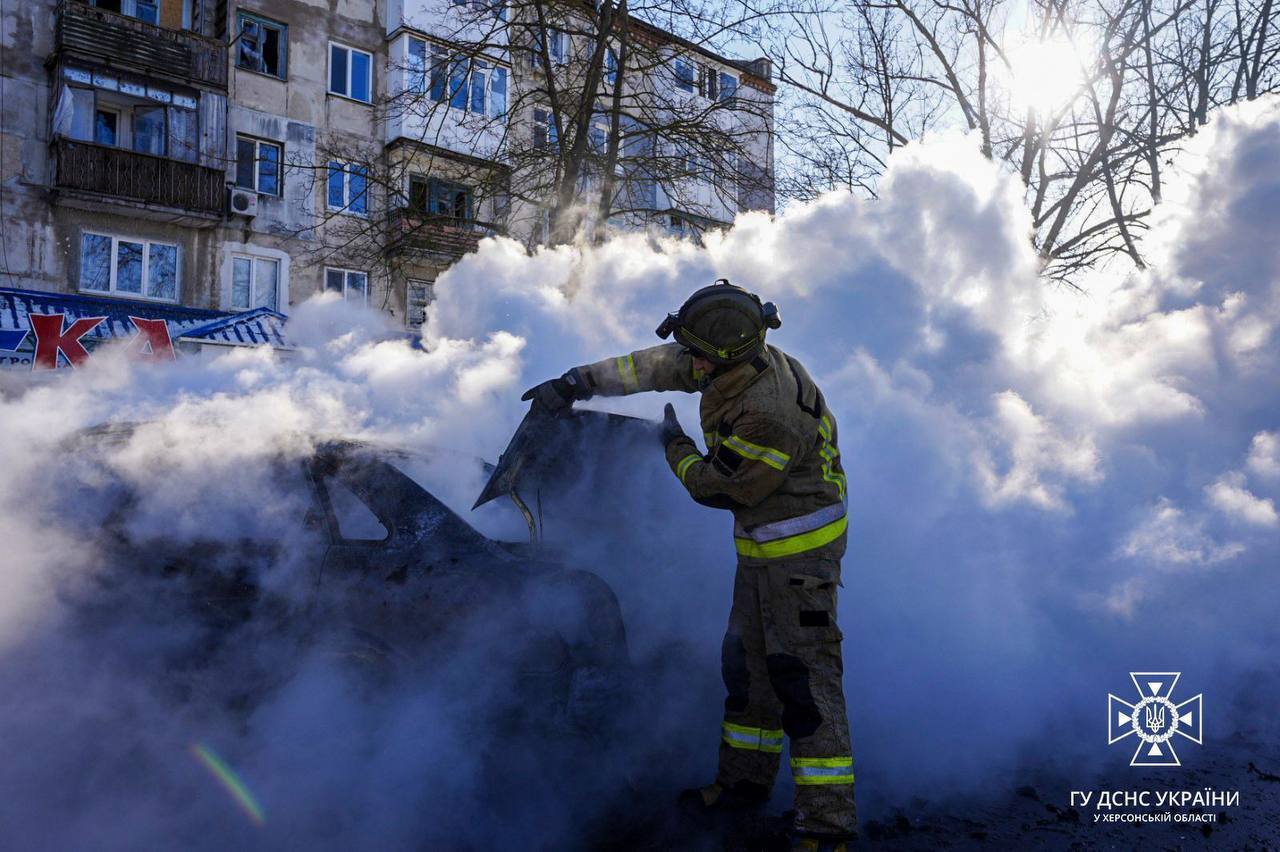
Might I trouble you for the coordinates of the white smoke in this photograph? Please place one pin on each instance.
(1047, 487)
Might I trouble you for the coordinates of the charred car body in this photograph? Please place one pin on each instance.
(351, 561)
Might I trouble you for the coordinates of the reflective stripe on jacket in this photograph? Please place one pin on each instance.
(771, 457)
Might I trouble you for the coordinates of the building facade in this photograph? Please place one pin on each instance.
(244, 155)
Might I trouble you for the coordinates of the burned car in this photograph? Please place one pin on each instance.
(328, 553)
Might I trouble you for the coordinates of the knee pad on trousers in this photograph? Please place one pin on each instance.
(733, 668)
(790, 679)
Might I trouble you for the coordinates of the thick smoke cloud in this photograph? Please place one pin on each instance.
(1049, 489)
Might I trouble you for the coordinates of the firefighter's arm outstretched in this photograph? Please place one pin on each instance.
(744, 468)
(667, 367)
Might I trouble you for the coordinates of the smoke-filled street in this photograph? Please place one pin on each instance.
(245, 601)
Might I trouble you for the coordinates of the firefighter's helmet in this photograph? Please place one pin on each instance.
(723, 323)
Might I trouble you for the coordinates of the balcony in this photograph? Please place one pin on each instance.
(117, 41)
(115, 174)
(423, 233)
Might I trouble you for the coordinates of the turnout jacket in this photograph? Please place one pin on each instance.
(771, 447)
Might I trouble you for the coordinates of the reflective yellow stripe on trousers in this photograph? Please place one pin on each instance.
(752, 739)
(822, 770)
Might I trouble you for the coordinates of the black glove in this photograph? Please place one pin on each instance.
(670, 426)
(557, 395)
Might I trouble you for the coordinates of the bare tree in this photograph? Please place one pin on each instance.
(550, 120)
(862, 77)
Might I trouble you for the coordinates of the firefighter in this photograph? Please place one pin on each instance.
(773, 461)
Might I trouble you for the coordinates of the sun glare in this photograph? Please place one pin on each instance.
(1043, 75)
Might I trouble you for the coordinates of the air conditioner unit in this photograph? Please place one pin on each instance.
(241, 202)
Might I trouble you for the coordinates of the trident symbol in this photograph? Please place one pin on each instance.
(1154, 717)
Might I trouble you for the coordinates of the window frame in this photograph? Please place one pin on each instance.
(350, 73)
(118, 114)
(563, 45)
(254, 259)
(551, 136)
(257, 162)
(428, 286)
(610, 75)
(262, 20)
(435, 79)
(112, 290)
(346, 274)
(346, 167)
(689, 86)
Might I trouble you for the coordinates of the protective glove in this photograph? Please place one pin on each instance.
(557, 395)
(670, 426)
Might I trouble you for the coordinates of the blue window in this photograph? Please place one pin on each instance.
(471, 85)
(479, 76)
(498, 93)
(684, 75)
(106, 123)
(439, 73)
(610, 67)
(348, 186)
(450, 200)
(728, 86)
(350, 72)
(140, 268)
(258, 165)
(337, 186)
(417, 66)
(544, 130)
(357, 188)
(458, 83)
(268, 168)
(557, 45)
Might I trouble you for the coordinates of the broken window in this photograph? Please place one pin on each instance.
(128, 266)
(420, 294)
(419, 193)
(120, 113)
(452, 200)
(262, 45)
(356, 521)
(437, 197)
(258, 165)
(143, 10)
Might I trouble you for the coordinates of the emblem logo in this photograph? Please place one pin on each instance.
(1154, 719)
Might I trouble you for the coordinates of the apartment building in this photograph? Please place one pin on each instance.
(237, 157)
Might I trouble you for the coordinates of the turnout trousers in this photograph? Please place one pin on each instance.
(783, 671)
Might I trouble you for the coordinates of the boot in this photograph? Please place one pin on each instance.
(743, 797)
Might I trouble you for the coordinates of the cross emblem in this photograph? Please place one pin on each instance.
(1154, 719)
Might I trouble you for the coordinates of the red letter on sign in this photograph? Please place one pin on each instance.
(51, 339)
(152, 342)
